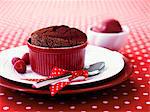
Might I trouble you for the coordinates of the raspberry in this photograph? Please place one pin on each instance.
(26, 59)
(20, 66)
(13, 61)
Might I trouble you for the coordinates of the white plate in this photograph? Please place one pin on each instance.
(114, 63)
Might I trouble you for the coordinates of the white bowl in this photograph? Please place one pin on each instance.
(113, 41)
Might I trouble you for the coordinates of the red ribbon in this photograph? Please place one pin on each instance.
(60, 85)
(55, 72)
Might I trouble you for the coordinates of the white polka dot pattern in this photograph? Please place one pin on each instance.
(28, 108)
(116, 107)
(18, 103)
(50, 107)
(139, 107)
(94, 107)
(10, 98)
(5, 108)
(19, 18)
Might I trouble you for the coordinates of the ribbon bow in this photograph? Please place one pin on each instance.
(60, 85)
(55, 72)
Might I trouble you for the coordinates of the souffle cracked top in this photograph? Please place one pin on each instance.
(58, 36)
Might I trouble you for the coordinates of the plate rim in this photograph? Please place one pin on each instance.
(123, 75)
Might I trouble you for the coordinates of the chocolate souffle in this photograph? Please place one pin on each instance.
(58, 37)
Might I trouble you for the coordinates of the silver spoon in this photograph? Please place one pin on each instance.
(93, 70)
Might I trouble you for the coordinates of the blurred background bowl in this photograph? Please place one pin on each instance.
(112, 41)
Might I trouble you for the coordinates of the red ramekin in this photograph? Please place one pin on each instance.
(43, 59)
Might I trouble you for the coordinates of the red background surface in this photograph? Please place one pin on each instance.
(19, 18)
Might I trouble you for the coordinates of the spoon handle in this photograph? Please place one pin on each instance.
(49, 81)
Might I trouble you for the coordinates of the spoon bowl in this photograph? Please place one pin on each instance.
(95, 68)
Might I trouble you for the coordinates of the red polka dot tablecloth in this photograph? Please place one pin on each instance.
(18, 18)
